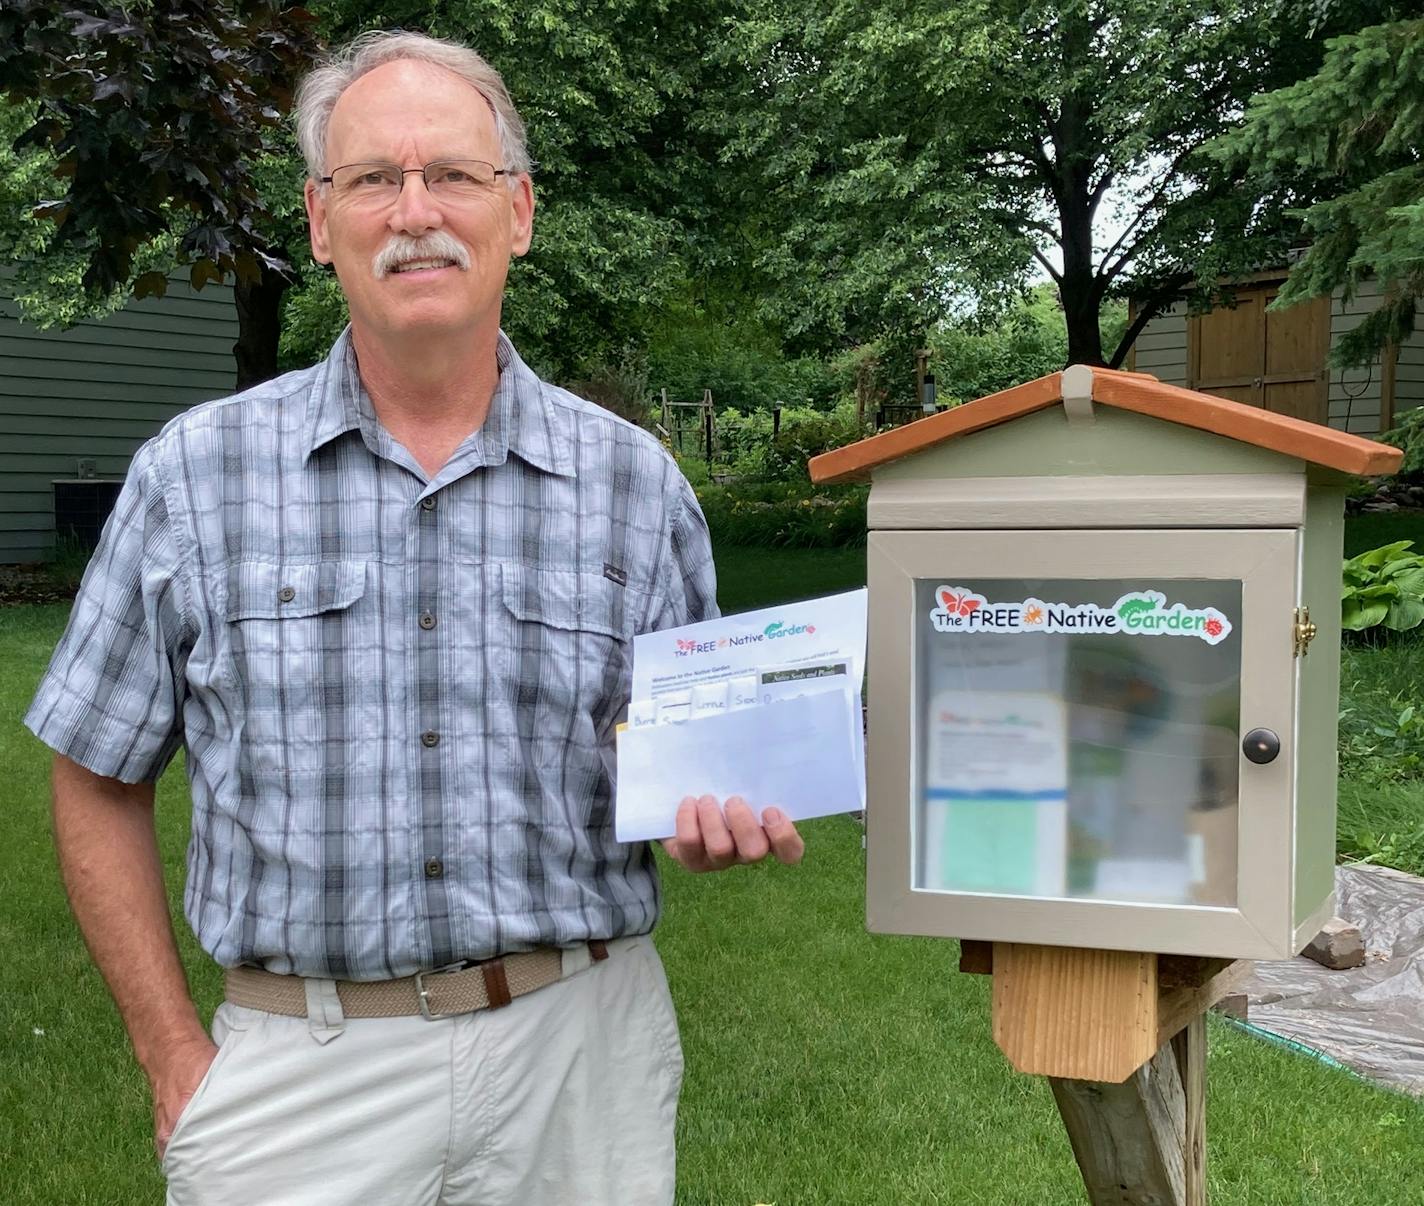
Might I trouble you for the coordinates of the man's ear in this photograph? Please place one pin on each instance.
(316, 222)
(522, 233)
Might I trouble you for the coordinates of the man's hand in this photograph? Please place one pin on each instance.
(709, 841)
(173, 1085)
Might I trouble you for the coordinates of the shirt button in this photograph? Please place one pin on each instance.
(427, 620)
(434, 868)
(286, 594)
(427, 504)
(430, 738)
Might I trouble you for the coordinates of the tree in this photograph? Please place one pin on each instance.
(918, 149)
(1354, 131)
(154, 117)
(626, 179)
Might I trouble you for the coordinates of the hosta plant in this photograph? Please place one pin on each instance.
(1383, 587)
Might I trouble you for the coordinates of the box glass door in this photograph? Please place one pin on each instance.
(1077, 738)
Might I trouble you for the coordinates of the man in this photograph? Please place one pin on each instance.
(386, 606)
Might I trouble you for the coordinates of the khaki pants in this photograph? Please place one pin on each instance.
(565, 1097)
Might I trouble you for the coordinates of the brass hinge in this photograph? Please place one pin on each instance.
(1304, 631)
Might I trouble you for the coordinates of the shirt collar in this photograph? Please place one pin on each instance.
(521, 419)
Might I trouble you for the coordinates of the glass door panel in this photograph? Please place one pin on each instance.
(1077, 738)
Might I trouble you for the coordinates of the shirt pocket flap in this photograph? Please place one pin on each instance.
(569, 599)
(268, 591)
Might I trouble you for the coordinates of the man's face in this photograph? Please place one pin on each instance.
(410, 114)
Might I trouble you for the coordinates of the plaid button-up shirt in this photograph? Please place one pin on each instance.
(397, 693)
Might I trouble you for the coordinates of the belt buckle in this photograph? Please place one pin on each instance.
(422, 992)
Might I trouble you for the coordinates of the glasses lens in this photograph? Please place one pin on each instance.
(366, 181)
(459, 178)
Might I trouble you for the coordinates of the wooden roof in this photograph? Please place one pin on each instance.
(1127, 391)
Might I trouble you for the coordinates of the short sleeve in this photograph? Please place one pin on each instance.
(112, 696)
(689, 582)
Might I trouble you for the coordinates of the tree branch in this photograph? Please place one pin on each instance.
(1049, 268)
(1149, 308)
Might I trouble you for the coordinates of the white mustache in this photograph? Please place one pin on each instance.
(401, 249)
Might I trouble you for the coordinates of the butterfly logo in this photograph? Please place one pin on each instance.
(686, 646)
(958, 600)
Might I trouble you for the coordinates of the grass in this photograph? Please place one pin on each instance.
(826, 1066)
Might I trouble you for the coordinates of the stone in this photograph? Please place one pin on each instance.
(1338, 946)
(1234, 1005)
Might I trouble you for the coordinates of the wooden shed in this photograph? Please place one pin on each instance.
(76, 404)
(1279, 360)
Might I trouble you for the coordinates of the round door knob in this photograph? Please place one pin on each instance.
(1261, 746)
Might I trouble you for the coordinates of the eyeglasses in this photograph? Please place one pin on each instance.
(378, 184)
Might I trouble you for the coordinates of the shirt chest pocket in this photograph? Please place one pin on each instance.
(568, 657)
(295, 634)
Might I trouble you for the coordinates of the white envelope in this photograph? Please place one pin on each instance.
(804, 755)
(795, 754)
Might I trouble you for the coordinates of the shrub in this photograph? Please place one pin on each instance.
(619, 385)
(785, 515)
(1383, 587)
(1408, 434)
(805, 434)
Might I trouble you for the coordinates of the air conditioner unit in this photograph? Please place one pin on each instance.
(81, 505)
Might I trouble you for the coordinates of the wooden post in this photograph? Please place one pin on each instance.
(1121, 1037)
(707, 422)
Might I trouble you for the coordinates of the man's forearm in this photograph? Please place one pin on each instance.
(108, 855)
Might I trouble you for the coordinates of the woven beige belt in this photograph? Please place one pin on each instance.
(438, 994)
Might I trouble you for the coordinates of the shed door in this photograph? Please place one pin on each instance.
(1273, 359)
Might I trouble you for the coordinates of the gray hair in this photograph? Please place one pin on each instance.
(322, 88)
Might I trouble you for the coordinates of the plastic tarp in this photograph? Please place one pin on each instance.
(1369, 1018)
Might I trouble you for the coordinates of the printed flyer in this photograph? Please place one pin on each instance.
(995, 813)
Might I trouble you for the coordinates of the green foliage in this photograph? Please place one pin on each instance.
(626, 182)
(910, 152)
(785, 515)
(1348, 139)
(1408, 434)
(1382, 751)
(151, 116)
(620, 385)
(977, 357)
(67, 562)
(1390, 747)
(1383, 587)
(806, 434)
(740, 360)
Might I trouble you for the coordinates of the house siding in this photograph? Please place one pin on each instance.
(1355, 393)
(1409, 371)
(97, 391)
(1161, 348)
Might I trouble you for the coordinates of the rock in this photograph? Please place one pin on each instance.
(1380, 504)
(1234, 1005)
(1338, 946)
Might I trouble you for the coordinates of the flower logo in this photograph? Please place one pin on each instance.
(1213, 627)
(1033, 614)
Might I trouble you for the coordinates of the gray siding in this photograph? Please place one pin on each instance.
(1409, 370)
(1161, 348)
(97, 391)
(1355, 394)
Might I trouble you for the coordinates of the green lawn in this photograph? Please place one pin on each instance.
(825, 1066)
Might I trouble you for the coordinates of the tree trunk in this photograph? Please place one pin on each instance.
(259, 325)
